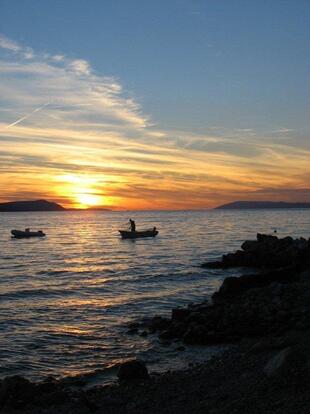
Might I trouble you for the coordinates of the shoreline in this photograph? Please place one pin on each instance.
(265, 320)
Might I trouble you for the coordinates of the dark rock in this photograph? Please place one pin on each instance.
(132, 371)
(263, 238)
(267, 252)
(236, 285)
(167, 334)
(213, 265)
(289, 364)
(179, 314)
(158, 323)
(276, 363)
(16, 391)
(249, 245)
(305, 275)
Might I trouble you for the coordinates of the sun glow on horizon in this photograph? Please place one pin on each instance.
(88, 200)
(81, 191)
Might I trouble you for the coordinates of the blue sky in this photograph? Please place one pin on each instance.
(154, 104)
(192, 64)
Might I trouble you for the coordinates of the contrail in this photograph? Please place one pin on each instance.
(27, 116)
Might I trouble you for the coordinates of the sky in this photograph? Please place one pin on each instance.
(137, 104)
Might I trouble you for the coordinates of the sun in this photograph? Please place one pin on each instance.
(88, 200)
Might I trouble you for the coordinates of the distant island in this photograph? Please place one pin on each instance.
(36, 205)
(41, 205)
(243, 205)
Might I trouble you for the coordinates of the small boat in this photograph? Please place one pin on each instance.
(21, 234)
(137, 234)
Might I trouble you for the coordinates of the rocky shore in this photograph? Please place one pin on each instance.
(264, 316)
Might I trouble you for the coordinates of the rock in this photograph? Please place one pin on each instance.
(289, 365)
(213, 265)
(267, 252)
(249, 245)
(166, 335)
(272, 344)
(16, 390)
(266, 238)
(277, 362)
(132, 371)
(305, 276)
(158, 323)
(236, 285)
(179, 314)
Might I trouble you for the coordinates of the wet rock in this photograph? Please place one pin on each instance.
(132, 371)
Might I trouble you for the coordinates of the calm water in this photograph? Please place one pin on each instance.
(65, 300)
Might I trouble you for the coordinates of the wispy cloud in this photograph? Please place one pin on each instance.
(9, 44)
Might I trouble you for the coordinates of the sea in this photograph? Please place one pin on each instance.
(66, 300)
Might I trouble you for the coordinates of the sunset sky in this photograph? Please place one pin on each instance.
(173, 104)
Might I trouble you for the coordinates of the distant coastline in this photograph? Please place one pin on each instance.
(46, 206)
(251, 205)
(40, 205)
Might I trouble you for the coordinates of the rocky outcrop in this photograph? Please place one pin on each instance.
(267, 252)
(271, 302)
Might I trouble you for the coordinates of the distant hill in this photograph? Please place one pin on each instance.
(37, 205)
(239, 205)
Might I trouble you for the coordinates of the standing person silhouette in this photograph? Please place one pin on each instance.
(132, 225)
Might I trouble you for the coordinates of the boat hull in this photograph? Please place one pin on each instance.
(137, 234)
(18, 234)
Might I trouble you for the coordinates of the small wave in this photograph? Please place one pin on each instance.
(52, 272)
(28, 293)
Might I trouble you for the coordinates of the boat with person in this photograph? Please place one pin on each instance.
(126, 234)
(21, 234)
